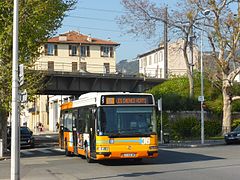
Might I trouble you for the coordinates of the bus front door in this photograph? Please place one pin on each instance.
(92, 137)
(75, 139)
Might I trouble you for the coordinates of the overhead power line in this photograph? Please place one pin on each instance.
(102, 10)
(98, 19)
(111, 30)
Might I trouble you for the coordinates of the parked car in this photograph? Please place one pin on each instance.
(233, 136)
(26, 137)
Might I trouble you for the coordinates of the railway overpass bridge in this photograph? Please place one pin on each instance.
(77, 83)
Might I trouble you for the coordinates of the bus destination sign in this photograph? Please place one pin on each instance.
(118, 100)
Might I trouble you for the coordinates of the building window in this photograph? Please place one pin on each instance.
(161, 54)
(144, 62)
(74, 66)
(150, 60)
(72, 50)
(51, 49)
(160, 73)
(50, 65)
(83, 66)
(85, 51)
(106, 68)
(107, 51)
(155, 57)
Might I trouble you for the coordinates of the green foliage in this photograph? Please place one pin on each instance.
(185, 128)
(165, 122)
(236, 92)
(235, 123)
(38, 20)
(190, 128)
(175, 94)
(212, 128)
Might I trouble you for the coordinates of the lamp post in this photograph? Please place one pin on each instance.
(201, 98)
(15, 145)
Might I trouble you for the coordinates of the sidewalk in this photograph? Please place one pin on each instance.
(44, 133)
(6, 156)
(191, 144)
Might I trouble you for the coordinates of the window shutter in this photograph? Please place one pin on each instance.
(111, 52)
(55, 50)
(46, 49)
(101, 52)
(88, 51)
(70, 48)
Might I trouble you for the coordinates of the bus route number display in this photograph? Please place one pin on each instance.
(118, 100)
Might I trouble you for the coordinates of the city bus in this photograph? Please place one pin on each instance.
(110, 125)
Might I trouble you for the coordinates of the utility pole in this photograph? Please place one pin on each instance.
(15, 148)
(166, 42)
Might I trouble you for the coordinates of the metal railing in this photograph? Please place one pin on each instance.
(88, 68)
(74, 67)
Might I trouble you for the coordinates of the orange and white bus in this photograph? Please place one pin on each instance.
(110, 125)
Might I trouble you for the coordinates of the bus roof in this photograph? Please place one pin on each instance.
(94, 98)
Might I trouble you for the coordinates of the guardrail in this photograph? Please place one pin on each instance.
(88, 68)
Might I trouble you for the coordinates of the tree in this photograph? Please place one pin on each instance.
(223, 30)
(142, 17)
(222, 27)
(175, 95)
(38, 20)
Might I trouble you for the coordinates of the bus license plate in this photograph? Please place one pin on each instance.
(129, 155)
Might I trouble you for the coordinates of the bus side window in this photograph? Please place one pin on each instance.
(82, 115)
(68, 121)
(87, 121)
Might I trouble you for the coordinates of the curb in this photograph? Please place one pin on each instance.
(4, 158)
(191, 145)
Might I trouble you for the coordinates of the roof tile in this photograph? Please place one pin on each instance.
(76, 37)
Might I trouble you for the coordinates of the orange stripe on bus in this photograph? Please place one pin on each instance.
(67, 105)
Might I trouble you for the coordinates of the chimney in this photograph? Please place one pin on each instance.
(89, 39)
(62, 37)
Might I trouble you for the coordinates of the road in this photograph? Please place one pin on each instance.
(212, 163)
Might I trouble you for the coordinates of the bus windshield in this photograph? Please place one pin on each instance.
(126, 121)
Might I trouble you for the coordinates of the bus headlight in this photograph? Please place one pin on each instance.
(102, 148)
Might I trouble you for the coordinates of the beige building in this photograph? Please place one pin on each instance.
(73, 51)
(153, 64)
(70, 52)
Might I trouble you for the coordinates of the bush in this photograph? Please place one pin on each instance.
(185, 128)
(212, 128)
(165, 122)
(190, 128)
(235, 123)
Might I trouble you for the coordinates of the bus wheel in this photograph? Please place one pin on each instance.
(67, 153)
(89, 160)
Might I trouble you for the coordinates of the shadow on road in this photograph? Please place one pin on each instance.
(165, 157)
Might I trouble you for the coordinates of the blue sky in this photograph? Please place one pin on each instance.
(97, 17)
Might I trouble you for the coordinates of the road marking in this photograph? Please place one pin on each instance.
(47, 151)
(41, 151)
(59, 149)
(27, 152)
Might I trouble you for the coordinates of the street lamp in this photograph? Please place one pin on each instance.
(201, 98)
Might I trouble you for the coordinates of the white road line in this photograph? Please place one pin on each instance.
(47, 151)
(27, 152)
(59, 149)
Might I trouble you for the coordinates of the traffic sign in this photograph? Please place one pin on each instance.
(160, 104)
(200, 98)
(21, 74)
